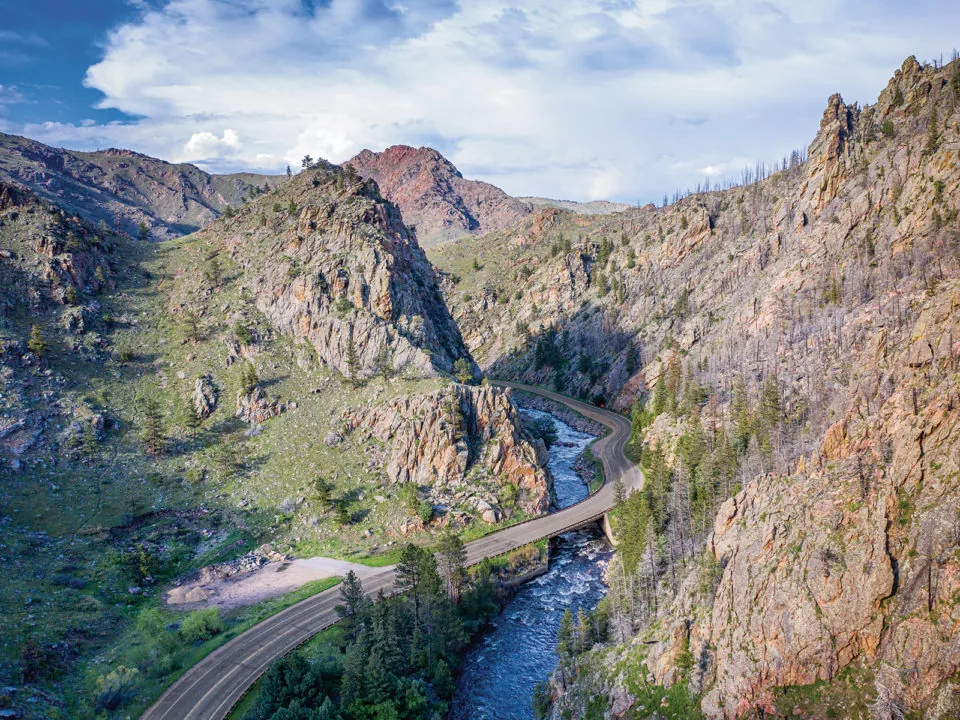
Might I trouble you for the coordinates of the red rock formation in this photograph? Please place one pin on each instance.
(434, 197)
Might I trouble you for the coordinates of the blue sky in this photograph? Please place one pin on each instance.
(578, 99)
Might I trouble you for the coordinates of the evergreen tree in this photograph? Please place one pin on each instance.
(152, 431)
(451, 561)
(354, 599)
(584, 632)
(442, 679)
(353, 362)
(341, 512)
(417, 576)
(191, 418)
(354, 671)
(933, 134)
(462, 371)
(37, 344)
(248, 377)
(740, 414)
(566, 637)
(323, 491)
(619, 494)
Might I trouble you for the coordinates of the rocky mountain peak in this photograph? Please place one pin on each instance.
(433, 195)
(327, 258)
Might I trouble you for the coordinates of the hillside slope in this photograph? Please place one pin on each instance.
(789, 349)
(124, 188)
(170, 405)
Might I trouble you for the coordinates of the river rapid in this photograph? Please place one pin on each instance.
(502, 668)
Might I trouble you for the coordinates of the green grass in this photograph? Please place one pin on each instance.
(136, 646)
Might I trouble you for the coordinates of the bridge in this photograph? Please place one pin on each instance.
(210, 689)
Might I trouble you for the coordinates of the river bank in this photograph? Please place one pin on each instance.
(504, 665)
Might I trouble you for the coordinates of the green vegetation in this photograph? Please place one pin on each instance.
(392, 658)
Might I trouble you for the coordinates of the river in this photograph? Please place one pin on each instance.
(502, 668)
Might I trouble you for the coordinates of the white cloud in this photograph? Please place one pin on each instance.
(205, 146)
(9, 95)
(578, 99)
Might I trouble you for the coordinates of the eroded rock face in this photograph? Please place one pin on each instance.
(458, 437)
(339, 268)
(434, 197)
(255, 407)
(205, 395)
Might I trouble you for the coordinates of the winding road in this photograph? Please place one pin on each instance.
(209, 689)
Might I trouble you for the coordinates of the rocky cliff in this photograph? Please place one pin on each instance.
(434, 197)
(795, 337)
(125, 188)
(465, 445)
(327, 259)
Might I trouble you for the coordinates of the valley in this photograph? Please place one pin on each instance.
(209, 376)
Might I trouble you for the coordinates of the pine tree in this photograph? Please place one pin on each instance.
(443, 679)
(462, 371)
(37, 344)
(151, 432)
(740, 414)
(933, 134)
(323, 491)
(353, 362)
(451, 561)
(619, 494)
(191, 419)
(584, 632)
(351, 592)
(566, 637)
(417, 575)
(248, 377)
(341, 512)
(354, 671)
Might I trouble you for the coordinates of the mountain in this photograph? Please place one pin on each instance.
(280, 381)
(593, 207)
(124, 188)
(789, 351)
(434, 197)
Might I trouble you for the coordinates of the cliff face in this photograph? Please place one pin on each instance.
(465, 444)
(125, 188)
(796, 337)
(327, 259)
(434, 197)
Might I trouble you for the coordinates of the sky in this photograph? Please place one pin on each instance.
(572, 99)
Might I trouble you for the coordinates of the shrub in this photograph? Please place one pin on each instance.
(425, 512)
(243, 334)
(200, 626)
(116, 688)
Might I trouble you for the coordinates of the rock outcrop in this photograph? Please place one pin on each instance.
(460, 441)
(255, 407)
(204, 398)
(327, 259)
(434, 197)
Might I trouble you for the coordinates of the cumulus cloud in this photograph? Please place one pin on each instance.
(205, 146)
(581, 98)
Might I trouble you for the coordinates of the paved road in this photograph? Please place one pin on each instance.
(214, 685)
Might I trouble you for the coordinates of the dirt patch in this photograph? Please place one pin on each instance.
(255, 586)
